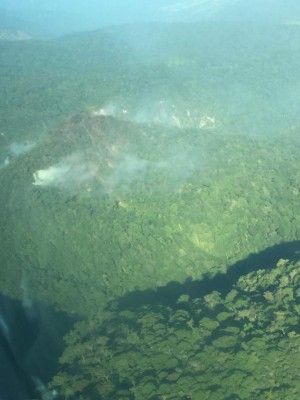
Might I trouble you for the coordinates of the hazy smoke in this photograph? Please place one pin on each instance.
(127, 171)
(69, 173)
(128, 168)
(16, 149)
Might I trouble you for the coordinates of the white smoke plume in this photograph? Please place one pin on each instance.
(69, 173)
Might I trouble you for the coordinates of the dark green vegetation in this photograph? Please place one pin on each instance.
(242, 344)
(140, 206)
(156, 154)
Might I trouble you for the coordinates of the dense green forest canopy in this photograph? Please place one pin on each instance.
(136, 155)
(139, 158)
(237, 344)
